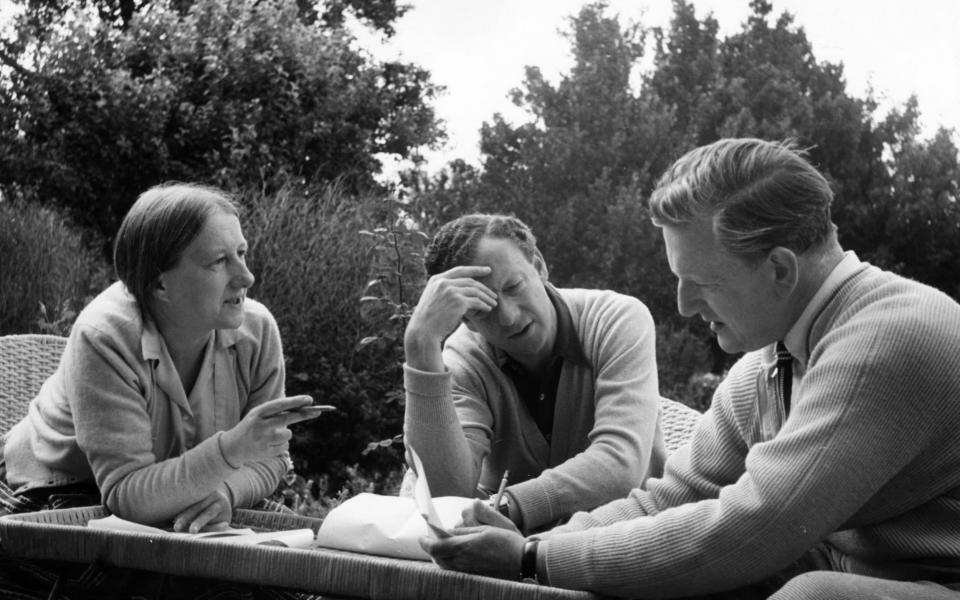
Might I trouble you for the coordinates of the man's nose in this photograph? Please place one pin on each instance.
(687, 299)
(507, 312)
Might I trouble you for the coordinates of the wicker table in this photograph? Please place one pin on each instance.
(63, 535)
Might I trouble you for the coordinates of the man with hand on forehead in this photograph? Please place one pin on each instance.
(506, 373)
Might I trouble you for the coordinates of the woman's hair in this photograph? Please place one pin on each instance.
(157, 229)
(758, 194)
(456, 242)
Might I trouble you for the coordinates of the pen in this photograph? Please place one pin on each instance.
(503, 486)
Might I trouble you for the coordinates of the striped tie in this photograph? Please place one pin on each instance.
(784, 375)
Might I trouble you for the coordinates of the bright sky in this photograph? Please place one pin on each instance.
(478, 50)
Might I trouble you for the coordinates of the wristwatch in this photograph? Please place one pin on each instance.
(528, 561)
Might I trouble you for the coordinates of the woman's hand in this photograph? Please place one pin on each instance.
(264, 431)
(213, 510)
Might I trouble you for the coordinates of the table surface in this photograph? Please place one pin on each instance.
(63, 535)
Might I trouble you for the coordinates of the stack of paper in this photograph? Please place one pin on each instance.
(392, 525)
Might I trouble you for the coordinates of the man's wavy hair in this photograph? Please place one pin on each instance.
(455, 244)
(758, 194)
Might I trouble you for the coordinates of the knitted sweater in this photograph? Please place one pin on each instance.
(868, 460)
(468, 424)
(116, 412)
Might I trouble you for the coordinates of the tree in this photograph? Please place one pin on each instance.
(231, 93)
(909, 221)
(581, 167)
(576, 169)
(380, 14)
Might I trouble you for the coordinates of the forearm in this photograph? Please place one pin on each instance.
(423, 352)
(780, 506)
(255, 481)
(592, 478)
(681, 552)
(156, 492)
(432, 428)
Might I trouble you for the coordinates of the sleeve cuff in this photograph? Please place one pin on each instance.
(227, 491)
(429, 397)
(533, 503)
(543, 577)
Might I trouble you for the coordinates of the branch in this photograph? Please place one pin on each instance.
(11, 62)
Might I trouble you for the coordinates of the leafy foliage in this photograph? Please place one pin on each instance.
(99, 99)
(49, 269)
(232, 93)
(580, 168)
(380, 14)
(313, 268)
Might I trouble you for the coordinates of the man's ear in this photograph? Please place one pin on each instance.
(785, 267)
(540, 265)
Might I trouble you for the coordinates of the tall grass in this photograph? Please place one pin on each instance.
(313, 266)
(49, 271)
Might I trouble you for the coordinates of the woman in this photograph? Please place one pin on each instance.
(168, 404)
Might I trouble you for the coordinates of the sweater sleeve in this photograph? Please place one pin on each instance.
(694, 472)
(863, 413)
(624, 442)
(114, 430)
(432, 428)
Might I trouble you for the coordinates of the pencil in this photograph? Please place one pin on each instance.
(503, 486)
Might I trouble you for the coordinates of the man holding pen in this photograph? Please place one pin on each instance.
(506, 372)
(828, 465)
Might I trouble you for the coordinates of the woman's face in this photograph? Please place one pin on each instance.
(206, 289)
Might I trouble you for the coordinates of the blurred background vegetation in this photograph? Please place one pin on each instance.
(274, 100)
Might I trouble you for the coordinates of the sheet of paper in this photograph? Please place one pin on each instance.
(294, 538)
(117, 524)
(423, 499)
(386, 525)
(291, 538)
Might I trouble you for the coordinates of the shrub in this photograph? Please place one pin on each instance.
(207, 90)
(50, 268)
(683, 365)
(313, 266)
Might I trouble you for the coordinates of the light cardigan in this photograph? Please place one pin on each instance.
(468, 424)
(115, 412)
(868, 460)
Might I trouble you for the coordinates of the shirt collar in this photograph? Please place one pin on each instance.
(151, 342)
(799, 332)
(567, 344)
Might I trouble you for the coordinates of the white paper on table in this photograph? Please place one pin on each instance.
(423, 499)
(386, 525)
(293, 538)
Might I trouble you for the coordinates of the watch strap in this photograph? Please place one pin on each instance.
(528, 561)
